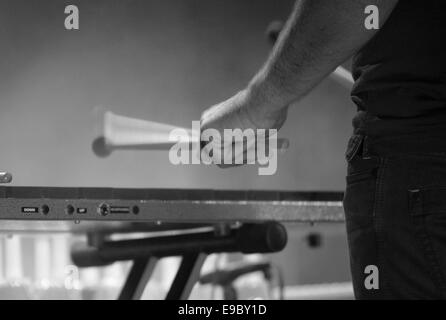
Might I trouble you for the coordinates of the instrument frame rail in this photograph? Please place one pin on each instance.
(167, 205)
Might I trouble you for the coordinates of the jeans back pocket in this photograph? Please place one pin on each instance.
(359, 197)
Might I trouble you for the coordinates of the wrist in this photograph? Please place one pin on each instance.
(263, 99)
(263, 110)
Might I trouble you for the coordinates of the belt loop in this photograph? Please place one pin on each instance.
(365, 148)
(415, 206)
(354, 147)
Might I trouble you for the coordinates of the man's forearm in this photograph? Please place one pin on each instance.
(318, 37)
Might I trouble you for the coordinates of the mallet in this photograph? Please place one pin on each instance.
(124, 133)
(5, 177)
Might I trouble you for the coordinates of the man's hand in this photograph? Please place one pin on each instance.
(242, 111)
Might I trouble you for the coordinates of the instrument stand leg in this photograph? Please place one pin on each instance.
(187, 276)
(138, 278)
(229, 292)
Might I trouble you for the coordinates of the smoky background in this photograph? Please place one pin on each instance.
(164, 61)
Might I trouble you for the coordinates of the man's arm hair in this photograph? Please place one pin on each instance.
(318, 37)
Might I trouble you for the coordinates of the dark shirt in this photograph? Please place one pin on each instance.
(400, 75)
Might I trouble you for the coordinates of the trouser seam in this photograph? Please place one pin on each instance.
(427, 247)
(378, 223)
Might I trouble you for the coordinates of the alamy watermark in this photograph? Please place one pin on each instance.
(235, 147)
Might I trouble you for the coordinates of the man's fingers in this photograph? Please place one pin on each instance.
(252, 155)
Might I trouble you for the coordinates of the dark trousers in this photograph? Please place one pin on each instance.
(395, 206)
